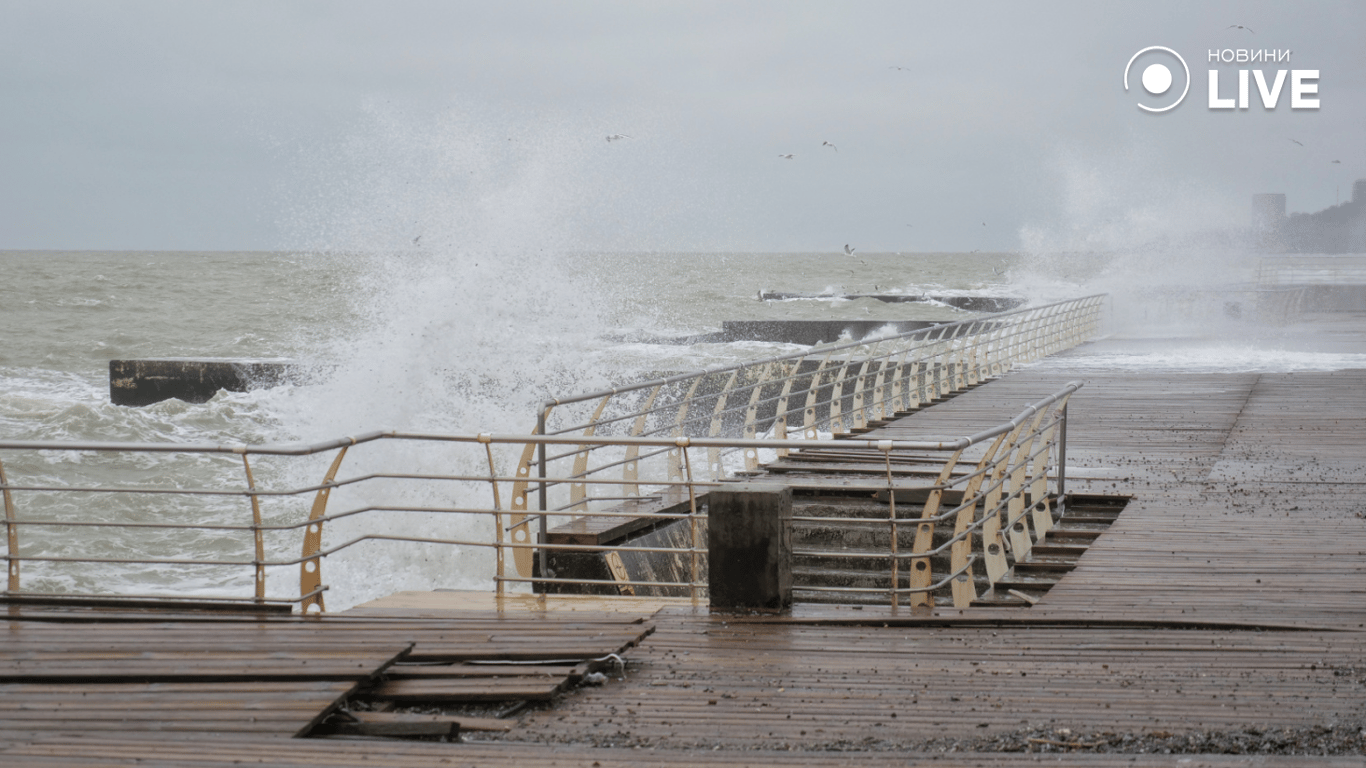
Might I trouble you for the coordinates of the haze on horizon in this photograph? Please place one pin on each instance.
(987, 126)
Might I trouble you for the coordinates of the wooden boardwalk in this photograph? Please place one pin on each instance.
(1226, 606)
(1229, 595)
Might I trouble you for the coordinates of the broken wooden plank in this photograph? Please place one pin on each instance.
(466, 722)
(456, 690)
(395, 724)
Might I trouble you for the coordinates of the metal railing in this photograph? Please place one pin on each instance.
(625, 453)
(992, 506)
(835, 389)
(1291, 270)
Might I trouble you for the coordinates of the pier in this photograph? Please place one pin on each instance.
(1222, 611)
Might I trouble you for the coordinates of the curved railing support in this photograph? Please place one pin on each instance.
(524, 557)
(677, 456)
(920, 576)
(964, 591)
(752, 416)
(578, 492)
(717, 415)
(780, 414)
(311, 569)
(630, 471)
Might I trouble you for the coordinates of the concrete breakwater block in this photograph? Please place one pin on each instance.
(815, 331)
(808, 332)
(143, 382)
(966, 303)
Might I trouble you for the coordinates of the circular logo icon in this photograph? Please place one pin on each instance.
(1157, 77)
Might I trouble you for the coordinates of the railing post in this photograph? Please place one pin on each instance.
(1062, 461)
(258, 536)
(543, 529)
(749, 543)
(694, 577)
(893, 545)
(498, 552)
(11, 537)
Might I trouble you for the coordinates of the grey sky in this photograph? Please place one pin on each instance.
(263, 125)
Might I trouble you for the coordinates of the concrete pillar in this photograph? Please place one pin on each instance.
(749, 538)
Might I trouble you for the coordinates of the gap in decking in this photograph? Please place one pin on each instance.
(856, 553)
(1084, 519)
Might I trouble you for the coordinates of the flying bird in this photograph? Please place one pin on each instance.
(1239, 26)
(786, 157)
(1297, 142)
(1339, 162)
(849, 251)
(415, 239)
(617, 136)
(903, 69)
(828, 144)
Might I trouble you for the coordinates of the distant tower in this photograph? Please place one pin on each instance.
(1356, 228)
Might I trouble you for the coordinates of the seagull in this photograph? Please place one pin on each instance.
(786, 157)
(848, 251)
(415, 239)
(1339, 162)
(828, 144)
(616, 136)
(1239, 26)
(903, 69)
(1297, 142)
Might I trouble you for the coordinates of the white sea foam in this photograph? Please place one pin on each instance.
(1202, 356)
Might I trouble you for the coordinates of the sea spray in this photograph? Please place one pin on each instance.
(469, 309)
(1170, 251)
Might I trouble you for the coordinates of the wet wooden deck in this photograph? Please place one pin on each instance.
(1228, 601)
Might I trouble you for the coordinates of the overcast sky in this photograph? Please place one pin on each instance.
(958, 126)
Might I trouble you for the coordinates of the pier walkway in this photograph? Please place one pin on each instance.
(1223, 611)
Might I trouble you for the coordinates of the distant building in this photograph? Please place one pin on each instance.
(1339, 229)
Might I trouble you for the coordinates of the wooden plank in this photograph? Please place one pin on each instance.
(397, 725)
(465, 722)
(402, 672)
(530, 688)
